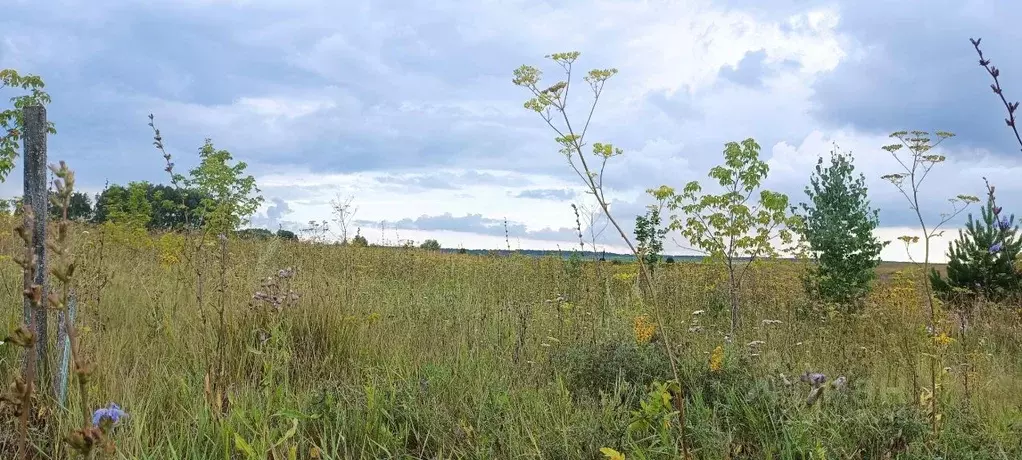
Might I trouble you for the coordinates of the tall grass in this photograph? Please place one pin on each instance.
(404, 353)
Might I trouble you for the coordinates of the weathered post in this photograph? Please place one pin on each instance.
(37, 197)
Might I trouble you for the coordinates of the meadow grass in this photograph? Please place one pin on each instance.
(407, 353)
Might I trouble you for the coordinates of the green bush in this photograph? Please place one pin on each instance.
(593, 368)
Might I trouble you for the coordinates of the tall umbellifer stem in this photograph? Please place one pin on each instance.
(572, 144)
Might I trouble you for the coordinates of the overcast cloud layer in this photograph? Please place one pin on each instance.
(409, 105)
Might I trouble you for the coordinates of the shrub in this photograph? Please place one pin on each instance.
(982, 259)
(838, 228)
(593, 368)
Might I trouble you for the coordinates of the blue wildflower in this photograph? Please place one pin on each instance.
(1003, 224)
(113, 413)
(996, 248)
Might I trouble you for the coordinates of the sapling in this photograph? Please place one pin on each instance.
(729, 227)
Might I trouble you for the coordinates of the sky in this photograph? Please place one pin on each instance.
(408, 107)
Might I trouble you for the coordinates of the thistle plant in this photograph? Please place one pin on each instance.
(551, 104)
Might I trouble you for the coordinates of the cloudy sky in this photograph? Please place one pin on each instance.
(409, 106)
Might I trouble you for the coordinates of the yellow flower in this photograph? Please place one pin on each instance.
(943, 339)
(644, 329)
(717, 359)
(612, 454)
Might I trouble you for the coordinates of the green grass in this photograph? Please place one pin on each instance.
(411, 354)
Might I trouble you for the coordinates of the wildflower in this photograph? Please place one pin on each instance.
(1003, 224)
(611, 454)
(755, 343)
(771, 321)
(717, 359)
(111, 414)
(698, 312)
(997, 211)
(996, 248)
(643, 329)
(943, 339)
(839, 382)
(815, 379)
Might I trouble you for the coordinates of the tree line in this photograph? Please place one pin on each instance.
(155, 207)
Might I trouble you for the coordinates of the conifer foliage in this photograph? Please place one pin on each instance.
(982, 260)
(838, 228)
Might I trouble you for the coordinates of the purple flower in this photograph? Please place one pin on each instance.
(1003, 224)
(113, 412)
(813, 378)
(997, 210)
(996, 248)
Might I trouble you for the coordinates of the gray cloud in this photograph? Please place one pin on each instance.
(547, 194)
(927, 76)
(478, 224)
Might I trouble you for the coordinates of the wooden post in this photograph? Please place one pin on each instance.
(37, 197)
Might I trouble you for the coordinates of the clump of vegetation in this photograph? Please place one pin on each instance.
(981, 262)
(837, 226)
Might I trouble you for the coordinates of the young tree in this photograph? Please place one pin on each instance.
(649, 234)
(11, 122)
(982, 259)
(728, 227)
(358, 240)
(430, 245)
(228, 199)
(838, 228)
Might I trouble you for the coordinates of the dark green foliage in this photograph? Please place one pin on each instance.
(165, 204)
(359, 241)
(838, 227)
(650, 236)
(79, 209)
(462, 251)
(982, 259)
(254, 233)
(430, 245)
(286, 235)
(593, 368)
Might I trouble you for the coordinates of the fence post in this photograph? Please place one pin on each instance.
(64, 345)
(37, 197)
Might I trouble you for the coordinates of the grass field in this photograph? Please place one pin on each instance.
(392, 353)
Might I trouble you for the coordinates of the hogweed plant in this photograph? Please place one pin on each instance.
(908, 181)
(551, 104)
